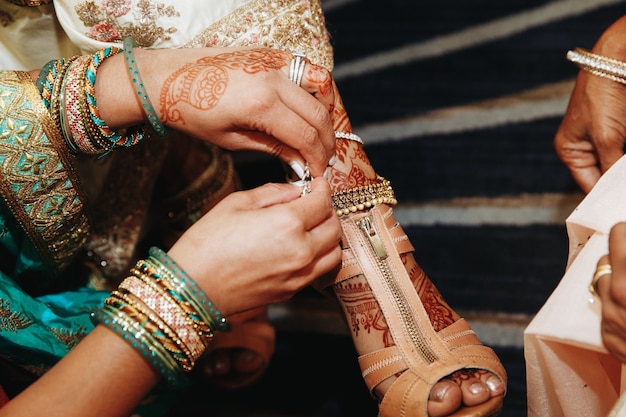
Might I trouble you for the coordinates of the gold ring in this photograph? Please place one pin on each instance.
(601, 270)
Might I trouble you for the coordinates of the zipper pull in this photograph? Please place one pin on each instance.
(367, 226)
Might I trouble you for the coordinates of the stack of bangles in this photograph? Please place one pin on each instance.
(599, 65)
(67, 88)
(162, 313)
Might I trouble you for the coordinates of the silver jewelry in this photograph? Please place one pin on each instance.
(349, 136)
(306, 180)
(296, 68)
(598, 65)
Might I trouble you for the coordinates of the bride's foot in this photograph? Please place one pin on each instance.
(409, 341)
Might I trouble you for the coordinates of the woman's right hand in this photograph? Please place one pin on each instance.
(261, 246)
(236, 98)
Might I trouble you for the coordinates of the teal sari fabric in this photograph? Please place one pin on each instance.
(37, 331)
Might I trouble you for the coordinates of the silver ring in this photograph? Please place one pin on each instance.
(296, 68)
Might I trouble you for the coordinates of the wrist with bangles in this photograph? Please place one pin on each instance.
(67, 88)
(163, 314)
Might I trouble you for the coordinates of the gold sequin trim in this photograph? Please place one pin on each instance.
(38, 182)
(293, 25)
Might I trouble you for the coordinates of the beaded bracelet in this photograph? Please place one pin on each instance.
(168, 309)
(133, 309)
(53, 90)
(146, 104)
(74, 113)
(363, 197)
(188, 288)
(199, 322)
(160, 311)
(349, 136)
(133, 136)
(46, 77)
(599, 65)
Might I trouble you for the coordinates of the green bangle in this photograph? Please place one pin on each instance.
(133, 333)
(146, 104)
(192, 292)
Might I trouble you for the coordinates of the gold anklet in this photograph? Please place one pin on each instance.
(364, 197)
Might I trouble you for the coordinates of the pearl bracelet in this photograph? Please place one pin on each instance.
(363, 197)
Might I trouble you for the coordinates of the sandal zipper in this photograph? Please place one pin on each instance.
(367, 227)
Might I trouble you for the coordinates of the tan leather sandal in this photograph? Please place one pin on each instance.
(419, 357)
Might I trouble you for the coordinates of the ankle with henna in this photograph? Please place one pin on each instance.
(383, 361)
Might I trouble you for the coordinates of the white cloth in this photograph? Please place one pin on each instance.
(568, 371)
(34, 35)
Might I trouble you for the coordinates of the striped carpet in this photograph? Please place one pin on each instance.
(457, 102)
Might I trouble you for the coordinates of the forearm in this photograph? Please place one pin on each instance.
(102, 376)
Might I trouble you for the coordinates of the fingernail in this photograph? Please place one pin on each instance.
(332, 160)
(477, 388)
(493, 382)
(326, 171)
(297, 168)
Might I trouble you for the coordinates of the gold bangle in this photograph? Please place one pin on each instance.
(363, 197)
(599, 65)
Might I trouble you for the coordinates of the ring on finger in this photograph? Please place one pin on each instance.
(296, 68)
(601, 270)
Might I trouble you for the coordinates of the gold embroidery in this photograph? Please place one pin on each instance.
(293, 25)
(102, 19)
(12, 320)
(38, 182)
(68, 338)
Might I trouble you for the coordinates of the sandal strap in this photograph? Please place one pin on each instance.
(379, 365)
(349, 264)
(422, 355)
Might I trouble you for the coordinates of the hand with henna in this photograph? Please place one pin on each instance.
(592, 133)
(236, 98)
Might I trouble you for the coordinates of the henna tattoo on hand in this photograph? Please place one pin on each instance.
(202, 84)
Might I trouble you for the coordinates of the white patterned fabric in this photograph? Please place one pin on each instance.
(31, 36)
